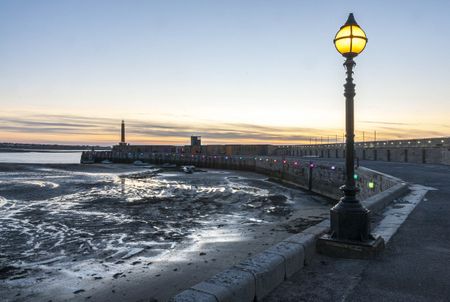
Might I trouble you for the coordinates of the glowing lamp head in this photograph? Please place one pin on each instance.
(350, 40)
(371, 185)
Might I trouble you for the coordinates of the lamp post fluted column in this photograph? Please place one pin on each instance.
(349, 188)
(349, 218)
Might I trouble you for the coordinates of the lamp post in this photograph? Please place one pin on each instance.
(349, 219)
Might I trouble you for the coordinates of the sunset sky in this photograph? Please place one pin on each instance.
(230, 71)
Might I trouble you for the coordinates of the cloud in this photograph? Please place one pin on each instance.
(383, 123)
(80, 129)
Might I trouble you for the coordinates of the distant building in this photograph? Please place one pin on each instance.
(196, 144)
(196, 140)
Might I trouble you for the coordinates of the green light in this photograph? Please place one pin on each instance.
(371, 185)
(355, 176)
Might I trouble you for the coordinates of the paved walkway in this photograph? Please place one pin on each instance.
(415, 265)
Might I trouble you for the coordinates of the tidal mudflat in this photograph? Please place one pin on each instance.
(115, 232)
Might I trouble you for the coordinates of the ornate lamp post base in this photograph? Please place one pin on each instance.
(369, 249)
(350, 221)
(350, 235)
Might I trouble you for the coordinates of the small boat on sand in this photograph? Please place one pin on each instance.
(188, 169)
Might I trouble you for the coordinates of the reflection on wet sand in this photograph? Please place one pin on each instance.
(60, 222)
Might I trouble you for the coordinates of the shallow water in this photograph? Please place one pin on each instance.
(57, 217)
(41, 157)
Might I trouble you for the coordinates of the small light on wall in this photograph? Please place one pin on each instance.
(355, 176)
(371, 185)
(226, 157)
(295, 163)
(274, 160)
(284, 161)
(333, 167)
(311, 165)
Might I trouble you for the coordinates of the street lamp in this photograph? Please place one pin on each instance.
(349, 219)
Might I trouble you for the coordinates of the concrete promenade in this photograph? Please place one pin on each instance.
(415, 265)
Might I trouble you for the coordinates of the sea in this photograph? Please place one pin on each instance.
(48, 157)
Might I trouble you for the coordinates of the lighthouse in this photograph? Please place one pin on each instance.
(122, 134)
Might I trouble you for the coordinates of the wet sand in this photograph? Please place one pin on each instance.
(115, 232)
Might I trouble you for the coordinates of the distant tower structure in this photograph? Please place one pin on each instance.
(122, 134)
(196, 144)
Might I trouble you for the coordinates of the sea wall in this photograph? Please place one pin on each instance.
(421, 151)
(320, 177)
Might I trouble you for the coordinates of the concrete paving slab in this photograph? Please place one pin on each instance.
(268, 270)
(308, 241)
(293, 255)
(191, 295)
(232, 285)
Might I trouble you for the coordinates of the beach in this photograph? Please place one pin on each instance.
(109, 232)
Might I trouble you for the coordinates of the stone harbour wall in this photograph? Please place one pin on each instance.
(421, 151)
(321, 177)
